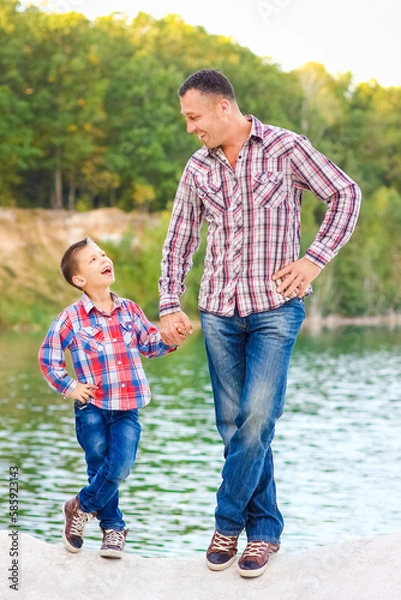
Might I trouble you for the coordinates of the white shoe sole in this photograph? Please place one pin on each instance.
(252, 572)
(111, 553)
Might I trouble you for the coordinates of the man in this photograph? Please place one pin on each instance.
(247, 183)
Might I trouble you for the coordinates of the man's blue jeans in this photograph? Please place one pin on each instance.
(109, 439)
(248, 363)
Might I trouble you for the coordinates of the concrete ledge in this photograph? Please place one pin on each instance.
(358, 570)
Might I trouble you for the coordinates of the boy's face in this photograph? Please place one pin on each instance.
(94, 268)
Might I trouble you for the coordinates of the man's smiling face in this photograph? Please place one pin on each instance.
(204, 115)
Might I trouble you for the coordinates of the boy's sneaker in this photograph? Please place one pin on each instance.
(221, 552)
(75, 521)
(113, 543)
(254, 559)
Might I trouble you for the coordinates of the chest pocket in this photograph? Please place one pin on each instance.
(211, 194)
(127, 328)
(268, 189)
(91, 339)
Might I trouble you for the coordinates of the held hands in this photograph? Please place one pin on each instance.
(174, 328)
(83, 392)
(293, 280)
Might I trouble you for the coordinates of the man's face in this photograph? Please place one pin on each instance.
(205, 117)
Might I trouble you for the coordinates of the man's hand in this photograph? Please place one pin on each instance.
(83, 392)
(293, 279)
(174, 328)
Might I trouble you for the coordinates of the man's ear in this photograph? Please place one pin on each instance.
(78, 281)
(224, 105)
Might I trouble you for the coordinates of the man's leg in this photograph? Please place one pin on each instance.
(254, 353)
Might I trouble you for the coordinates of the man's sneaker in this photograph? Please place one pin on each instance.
(113, 543)
(75, 521)
(254, 559)
(221, 552)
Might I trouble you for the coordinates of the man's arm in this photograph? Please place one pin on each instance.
(182, 240)
(315, 172)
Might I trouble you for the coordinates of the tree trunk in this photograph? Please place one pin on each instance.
(57, 197)
(71, 194)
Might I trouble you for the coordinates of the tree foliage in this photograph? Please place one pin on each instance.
(90, 118)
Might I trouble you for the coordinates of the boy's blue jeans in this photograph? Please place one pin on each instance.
(248, 363)
(109, 439)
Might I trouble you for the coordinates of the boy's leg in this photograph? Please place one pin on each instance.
(112, 450)
(75, 516)
(110, 441)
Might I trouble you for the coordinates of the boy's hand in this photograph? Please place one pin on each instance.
(83, 392)
(174, 328)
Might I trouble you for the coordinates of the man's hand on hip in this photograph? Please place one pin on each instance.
(293, 279)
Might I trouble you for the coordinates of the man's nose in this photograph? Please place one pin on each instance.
(190, 127)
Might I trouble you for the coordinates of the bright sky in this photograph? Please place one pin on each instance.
(361, 36)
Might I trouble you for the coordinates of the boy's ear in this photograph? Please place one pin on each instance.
(78, 281)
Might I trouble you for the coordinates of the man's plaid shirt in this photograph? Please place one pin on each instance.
(253, 216)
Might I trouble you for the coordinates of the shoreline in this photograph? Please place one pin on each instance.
(317, 323)
(312, 324)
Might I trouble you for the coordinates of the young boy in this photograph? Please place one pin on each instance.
(105, 335)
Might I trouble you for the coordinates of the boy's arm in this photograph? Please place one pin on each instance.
(52, 359)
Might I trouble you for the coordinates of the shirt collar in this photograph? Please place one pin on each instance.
(89, 305)
(257, 127)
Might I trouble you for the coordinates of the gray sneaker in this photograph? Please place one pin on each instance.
(75, 521)
(113, 543)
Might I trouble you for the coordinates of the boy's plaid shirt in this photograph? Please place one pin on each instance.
(105, 351)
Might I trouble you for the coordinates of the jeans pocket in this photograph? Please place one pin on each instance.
(78, 405)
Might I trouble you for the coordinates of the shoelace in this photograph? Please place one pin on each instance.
(79, 521)
(113, 537)
(222, 543)
(257, 549)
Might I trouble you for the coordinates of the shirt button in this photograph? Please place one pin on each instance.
(119, 363)
(123, 385)
(109, 318)
(114, 339)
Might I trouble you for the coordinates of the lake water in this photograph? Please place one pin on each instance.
(337, 447)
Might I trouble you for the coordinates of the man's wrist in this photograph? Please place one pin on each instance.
(169, 305)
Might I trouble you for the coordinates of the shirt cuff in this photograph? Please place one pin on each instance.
(319, 254)
(67, 389)
(169, 304)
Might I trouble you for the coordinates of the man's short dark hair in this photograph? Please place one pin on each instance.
(208, 81)
(68, 264)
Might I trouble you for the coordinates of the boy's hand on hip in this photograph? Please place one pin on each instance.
(83, 392)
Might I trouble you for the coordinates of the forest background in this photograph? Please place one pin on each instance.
(90, 120)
